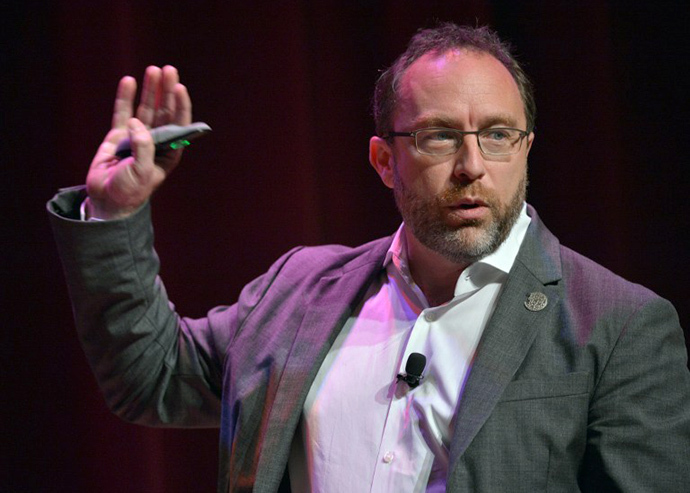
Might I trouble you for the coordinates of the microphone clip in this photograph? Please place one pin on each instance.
(413, 370)
(411, 380)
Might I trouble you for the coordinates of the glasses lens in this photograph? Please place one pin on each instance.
(500, 141)
(438, 142)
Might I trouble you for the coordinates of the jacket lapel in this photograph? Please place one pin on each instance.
(510, 332)
(333, 301)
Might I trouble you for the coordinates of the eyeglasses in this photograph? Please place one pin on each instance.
(445, 141)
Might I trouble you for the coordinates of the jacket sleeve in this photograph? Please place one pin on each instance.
(153, 367)
(639, 425)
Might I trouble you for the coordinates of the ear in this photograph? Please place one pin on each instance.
(530, 139)
(381, 158)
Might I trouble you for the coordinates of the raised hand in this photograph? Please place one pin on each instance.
(118, 187)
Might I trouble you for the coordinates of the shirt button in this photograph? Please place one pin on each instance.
(388, 458)
(429, 317)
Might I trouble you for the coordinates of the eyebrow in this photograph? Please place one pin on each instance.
(490, 121)
(501, 119)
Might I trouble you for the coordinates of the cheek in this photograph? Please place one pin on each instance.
(506, 181)
(429, 180)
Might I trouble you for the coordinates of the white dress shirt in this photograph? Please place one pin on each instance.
(361, 431)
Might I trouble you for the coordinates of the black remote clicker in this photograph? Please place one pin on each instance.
(167, 137)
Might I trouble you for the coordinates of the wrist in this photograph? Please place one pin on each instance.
(93, 211)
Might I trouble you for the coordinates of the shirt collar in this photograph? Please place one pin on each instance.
(502, 259)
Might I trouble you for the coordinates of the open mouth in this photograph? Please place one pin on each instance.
(469, 209)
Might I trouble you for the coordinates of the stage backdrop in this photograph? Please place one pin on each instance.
(286, 87)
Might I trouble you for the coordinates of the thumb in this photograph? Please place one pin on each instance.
(143, 149)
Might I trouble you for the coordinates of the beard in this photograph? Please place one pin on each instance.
(462, 242)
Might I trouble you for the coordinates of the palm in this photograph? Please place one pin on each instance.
(118, 187)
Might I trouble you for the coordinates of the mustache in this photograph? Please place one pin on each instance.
(466, 191)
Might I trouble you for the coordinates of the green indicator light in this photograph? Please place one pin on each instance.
(178, 144)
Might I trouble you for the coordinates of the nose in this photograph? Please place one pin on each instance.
(469, 161)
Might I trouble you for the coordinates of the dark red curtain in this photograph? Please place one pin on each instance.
(286, 87)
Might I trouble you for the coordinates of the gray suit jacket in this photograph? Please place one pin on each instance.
(590, 393)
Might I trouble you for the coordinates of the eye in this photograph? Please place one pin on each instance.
(437, 136)
(442, 135)
(438, 141)
(496, 134)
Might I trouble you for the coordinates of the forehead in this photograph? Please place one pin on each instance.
(461, 88)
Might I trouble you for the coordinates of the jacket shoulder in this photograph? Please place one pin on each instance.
(589, 280)
(334, 259)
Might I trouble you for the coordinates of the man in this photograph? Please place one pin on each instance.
(544, 371)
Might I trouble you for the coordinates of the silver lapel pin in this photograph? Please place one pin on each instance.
(536, 301)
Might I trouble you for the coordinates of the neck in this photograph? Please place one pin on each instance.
(435, 275)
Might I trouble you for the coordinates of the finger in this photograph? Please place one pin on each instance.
(166, 104)
(106, 151)
(124, 102)
(183, 106)
(143, 149)
(149, 93)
